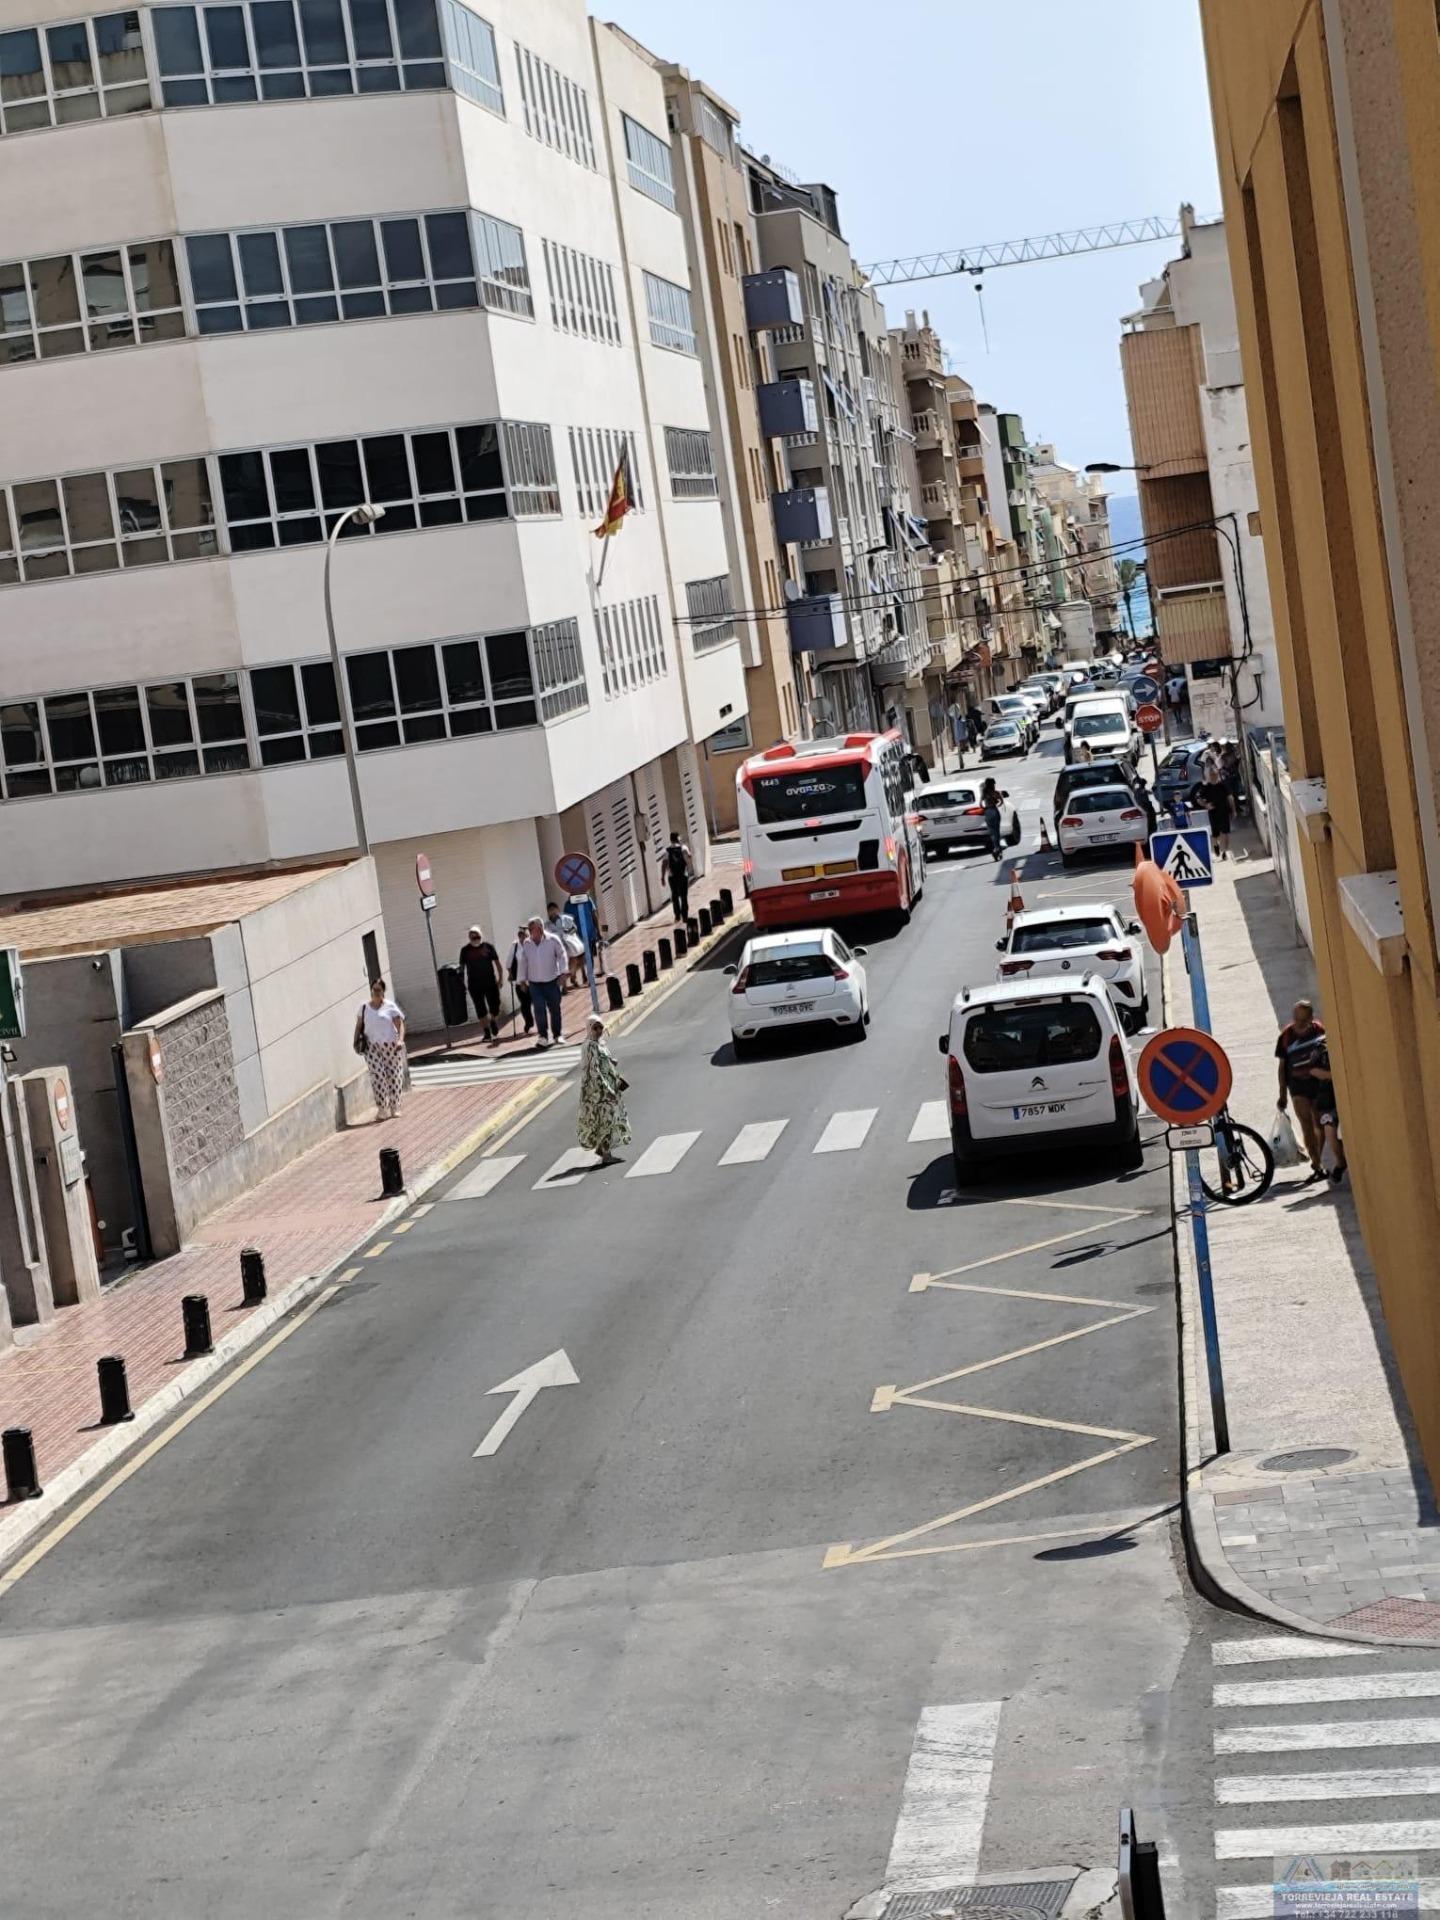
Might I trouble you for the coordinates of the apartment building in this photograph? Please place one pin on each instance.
(400, 255)
(1325, 118)
(1084, 568)
(1190, 430)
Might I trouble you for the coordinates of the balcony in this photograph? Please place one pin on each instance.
(938, 499)
(772, 299)
(929, 428)
(971, 456)
(787, 407)
(802, 513)
(920, 359)
(963, 407)
(816, 623)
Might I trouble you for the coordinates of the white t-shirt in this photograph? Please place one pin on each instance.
(382, 1023)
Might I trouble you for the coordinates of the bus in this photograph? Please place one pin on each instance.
(827, 830)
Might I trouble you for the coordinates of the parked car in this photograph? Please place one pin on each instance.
(1031, 1065)
(1104, 725)
(1100, 818)
(1040, 684)
(1004, 738)
(1179, 771)
(1069, 942)
(794, 980)
(1082, 690)
(1012, 706)
(951, 816)
(1101, 773)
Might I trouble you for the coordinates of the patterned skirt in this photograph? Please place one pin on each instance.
(386, 1061)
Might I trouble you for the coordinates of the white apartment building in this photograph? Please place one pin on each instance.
(269, 260)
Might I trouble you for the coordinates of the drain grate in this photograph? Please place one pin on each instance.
(1304, 1459)
(1029, 1900)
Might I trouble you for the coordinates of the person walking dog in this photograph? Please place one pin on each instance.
(380, 1036)
(603, 1123)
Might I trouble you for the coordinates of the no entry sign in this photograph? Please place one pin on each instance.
(575, 873)
(1184, 1076)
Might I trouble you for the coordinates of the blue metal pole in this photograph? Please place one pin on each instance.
(1199, 1226)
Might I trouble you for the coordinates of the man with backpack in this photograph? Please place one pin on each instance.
(677, 869)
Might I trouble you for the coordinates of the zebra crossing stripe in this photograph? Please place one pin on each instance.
(942, 1810)
(1327, 1736)
(1257, 1902)
(844, 1132)
(662, 1155)
(1340, 1836)
(1285, 1646)
(484, 1178)
(1315, 1688)
(1374, 1783)
(753, 1142)
(931, 1122)
(568, 1170)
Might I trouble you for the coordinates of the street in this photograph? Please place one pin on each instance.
(826, 1466)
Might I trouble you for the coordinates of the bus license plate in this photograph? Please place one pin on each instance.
(796, 1006)
(826, 893)
(1037, 1112)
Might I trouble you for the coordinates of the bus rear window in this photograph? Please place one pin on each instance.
(807, 793)
(1033, 1033)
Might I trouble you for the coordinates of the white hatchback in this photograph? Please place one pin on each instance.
(1034, 1065)
(1097, 818)
(796, 980)
(1066, 943)
(951, 816)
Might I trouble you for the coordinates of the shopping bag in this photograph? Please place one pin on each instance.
(1283, 1145)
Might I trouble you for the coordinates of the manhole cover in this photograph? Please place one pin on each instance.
(1029, 1900)
(1305, 1459)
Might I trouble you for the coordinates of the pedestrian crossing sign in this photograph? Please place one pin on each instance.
(1184, 853)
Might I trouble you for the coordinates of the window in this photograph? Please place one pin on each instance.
(1030, 1034)
(712, 620)
(288, 49)
(556, 111)
(668, 309)
(582, 293)
(54, 76)
(410, 695)
(647, 160)
(297, 712)
(802, 793)
(741, 349)
(632, 645)
(95, 522)
(559, 669)
(86, 302)
(1062, 934)
(122, 736)
(474, 63)
(715, 127)
(692, 464)
(530, 468)
(594, 456)
(504, 271)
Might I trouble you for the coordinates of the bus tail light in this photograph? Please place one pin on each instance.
(957, 1089)
(747, 867)
(742, 980)
(890, 848)
(1119, 1078)
(1016, 966)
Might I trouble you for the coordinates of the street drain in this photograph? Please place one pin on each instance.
(1029, 1900)
(1305, 1459)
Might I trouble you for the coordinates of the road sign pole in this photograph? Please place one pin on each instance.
(1199, 1224)
(590, 978)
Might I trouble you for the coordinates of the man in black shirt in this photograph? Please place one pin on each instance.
(676, 869)
(1300, 1047)
(480, 964)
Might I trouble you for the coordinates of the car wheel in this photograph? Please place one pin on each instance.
(1132, 1154)
(1066, 859)
(966, 1171)
(1142, 1014)
(744, 1049)
(861, 1030)
(1013, 837)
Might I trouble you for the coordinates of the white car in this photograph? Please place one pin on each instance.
(1097, 818)
(951, 816)
(1105, 726)
(797, 980)
(1034, 1065)
(1004, 737)
(1068, 942)
(1014, 706)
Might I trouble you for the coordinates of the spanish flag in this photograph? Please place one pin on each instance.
(620, 502)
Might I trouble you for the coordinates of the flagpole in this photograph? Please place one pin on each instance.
(604, 559)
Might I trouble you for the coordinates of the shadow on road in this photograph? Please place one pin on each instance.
(1018, 1179)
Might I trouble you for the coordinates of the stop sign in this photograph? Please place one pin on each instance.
(1149, 719)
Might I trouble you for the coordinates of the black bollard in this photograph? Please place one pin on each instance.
(727, 900)
(114, 1391)
(632, 980)
(22, 1481)
(702, 920)
(682, 943)
(667, 956)
(717, 913)
(692, 931)
(647, 961)
(195, 1313)
(252, 1276)
(392, 1175)
(615, 992)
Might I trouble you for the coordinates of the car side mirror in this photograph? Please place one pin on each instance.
(944, 1043)
(999, 946)
(1133, 926)
(859, 952)
(732, 969)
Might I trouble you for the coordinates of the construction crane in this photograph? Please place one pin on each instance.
(1014, 253)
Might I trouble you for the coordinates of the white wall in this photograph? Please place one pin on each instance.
(1232, 489)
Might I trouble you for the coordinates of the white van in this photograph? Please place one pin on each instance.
(1033, 1065)
(1103, 723)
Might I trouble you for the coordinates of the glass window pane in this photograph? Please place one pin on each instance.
(103, 279)
(277, 43)
(371, 694)
(324, 745)
(338, 462)
(311, 310)
(370, 24)
(417, 679)
(148, 550)
(242, 482)
(479, 450)
(67, 721)
(22, 77)
(77, 779)
(185, 93)
(169, 714)
(509, 660)
(212, 267)
(464, 680)
(322, 703)
(153, 276)
(434, 463)
(137, 499)
(187, 495)
(292, 481)
(419, 29)
(225, 37)
(220, 320)
(403, 258)
(267, 313)
(307, 254)
(378, 79)
(122, 54)
(176, 766)
(274, 697)
(87, 508)
(325, 80)
(37, 515)
(20, 733)
(356, 260)
(448, 237)
(260, 264)
(53, 286)
(516, 713)
(117, 714)
(300, 531)
(470, 720)
(14, 300)
(177, 39)
(69, 50)
(217, 706)
(386, 468)
(282, 86)
(324, 29)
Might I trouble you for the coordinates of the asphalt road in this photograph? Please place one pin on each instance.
(666, 1651)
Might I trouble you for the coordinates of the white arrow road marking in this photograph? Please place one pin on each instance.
(942, 1811)
(554, 1370)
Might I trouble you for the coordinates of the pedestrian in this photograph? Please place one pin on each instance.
(1297, 1048)
(1327, 1114)
(1230, 771)
(522, 987)
(563, 926)
(676, 870)
(1086, 753)
(1212, 793)
(480, 964)
(543, 964)
(603, 1123)
(380, 1036)
(991, 798)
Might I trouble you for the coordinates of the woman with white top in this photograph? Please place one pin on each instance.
(380, 1036)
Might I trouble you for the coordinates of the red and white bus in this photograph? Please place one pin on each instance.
(827, 830)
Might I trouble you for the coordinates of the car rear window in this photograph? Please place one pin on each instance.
(939, 798)
(1061, 934)
(1100, 800)
(780, 967)
(1033, 1033)
(1088, 725)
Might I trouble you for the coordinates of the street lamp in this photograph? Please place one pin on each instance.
(366, 515)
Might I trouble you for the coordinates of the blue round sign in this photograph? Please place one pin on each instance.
(1184, 1075)
(575, 873)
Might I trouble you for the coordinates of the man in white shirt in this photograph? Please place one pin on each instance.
(543, 964)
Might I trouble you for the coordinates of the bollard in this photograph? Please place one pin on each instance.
(727, 901)
(682, 943)
(392, 1174)
(22, 1482)
(692, 931)
(667, 956)
(252, 1276)
(114, 1391)
(615, 992)
(702, 920)
(195, 1313)
(632, 979)
(717, 913)
(647, 960)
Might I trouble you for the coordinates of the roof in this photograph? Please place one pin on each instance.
(803, 937)
(1048, 987)
(1037, 916)
(144, 916)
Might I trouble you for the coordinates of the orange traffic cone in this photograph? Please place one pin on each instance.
(1016, 903)
(1045, 846)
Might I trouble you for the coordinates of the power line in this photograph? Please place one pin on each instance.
(1015, 253)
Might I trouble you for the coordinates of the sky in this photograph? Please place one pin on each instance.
(961, 123)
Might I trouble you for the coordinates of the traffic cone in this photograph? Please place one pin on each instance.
(1045, 846)
(1015, 904)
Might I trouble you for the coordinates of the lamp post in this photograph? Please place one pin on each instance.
(367, 515)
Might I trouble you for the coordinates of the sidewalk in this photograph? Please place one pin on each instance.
(1322, 1514)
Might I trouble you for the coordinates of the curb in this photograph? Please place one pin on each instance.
(36, 1515)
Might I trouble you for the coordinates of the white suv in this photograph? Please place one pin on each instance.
(1038, 1065)
(1069, 942)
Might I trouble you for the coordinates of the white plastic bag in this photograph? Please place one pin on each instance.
(1283, 1144)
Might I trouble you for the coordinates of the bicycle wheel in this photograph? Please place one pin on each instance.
(1246, 1165)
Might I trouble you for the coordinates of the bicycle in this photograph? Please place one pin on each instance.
(1247, 1166)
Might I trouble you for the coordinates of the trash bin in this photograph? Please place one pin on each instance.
(452, 996)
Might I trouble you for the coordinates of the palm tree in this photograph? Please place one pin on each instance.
(1128, 572)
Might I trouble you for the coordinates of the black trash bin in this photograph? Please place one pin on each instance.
(452, 996)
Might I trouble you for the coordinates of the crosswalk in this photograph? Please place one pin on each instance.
(459, 1070)
(848, 1131)
(1368, 1781)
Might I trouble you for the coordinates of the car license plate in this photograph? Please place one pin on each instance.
(1035, 1112)
(795, 1006)
(1098, 837)
(826, 893)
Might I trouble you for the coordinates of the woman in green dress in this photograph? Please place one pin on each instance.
(604, 1123)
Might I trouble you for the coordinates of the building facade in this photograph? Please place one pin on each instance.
(1325, 117)
(424, 259)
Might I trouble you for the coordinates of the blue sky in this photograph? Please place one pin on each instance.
(962, 123)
